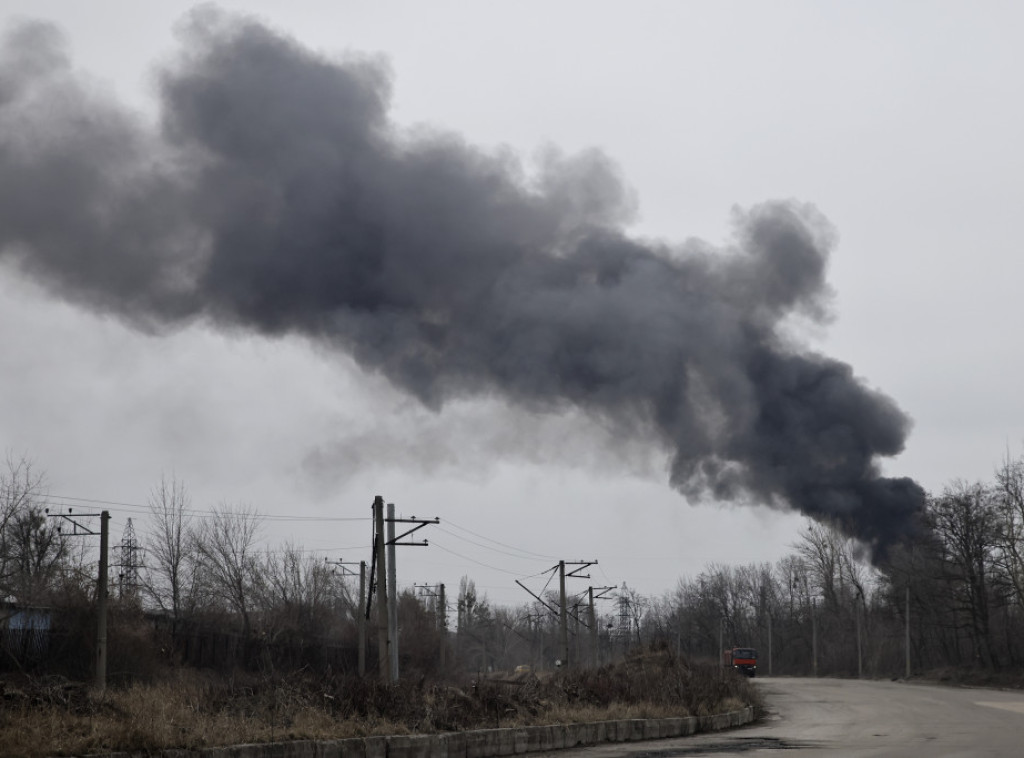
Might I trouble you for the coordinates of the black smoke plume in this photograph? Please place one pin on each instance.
(276, 196)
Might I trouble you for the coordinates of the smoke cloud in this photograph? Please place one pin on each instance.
(275, 196)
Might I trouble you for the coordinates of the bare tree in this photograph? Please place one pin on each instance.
(229, 566)
(1009, 496)
(297, 592)
(31, 551)
(171, 549)
(965, 520)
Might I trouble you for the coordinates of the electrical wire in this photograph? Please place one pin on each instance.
(206, 512)
(493, 549)
(496, 542)
(434, 543)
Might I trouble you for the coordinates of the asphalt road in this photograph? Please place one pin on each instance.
(835, 717)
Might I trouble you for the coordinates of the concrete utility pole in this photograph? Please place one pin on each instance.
(80, 528)
(101, 606)
(860, 657)
(814, 635)
(443, 614)
(562, 616)
(576, 631)
(362, 618)
(907, 633)
(769, 644)
(392, 594)
(721, 644)
(580, 565)
(383, 654)
(343, 567)
(593, 628)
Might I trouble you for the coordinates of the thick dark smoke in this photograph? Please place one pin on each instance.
(276, 196)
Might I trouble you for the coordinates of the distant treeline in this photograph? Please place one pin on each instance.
(209, 596)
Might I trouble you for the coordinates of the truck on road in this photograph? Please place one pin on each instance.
(742, 659)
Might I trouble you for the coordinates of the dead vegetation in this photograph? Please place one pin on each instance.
(51, 716)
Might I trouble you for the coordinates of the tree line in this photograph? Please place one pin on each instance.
(955, 592)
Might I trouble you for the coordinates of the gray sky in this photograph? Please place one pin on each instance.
(899, 122)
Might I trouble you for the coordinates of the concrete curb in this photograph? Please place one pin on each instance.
(478, 743)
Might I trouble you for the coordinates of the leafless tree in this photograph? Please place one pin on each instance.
(965, 520)
(31, 551)
(171, 573)
(297, 592)
(228, 562)
(1009, 498)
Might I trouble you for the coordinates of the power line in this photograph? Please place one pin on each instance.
(204, 512)
(479, 563)
(488, 547)
(496, 542)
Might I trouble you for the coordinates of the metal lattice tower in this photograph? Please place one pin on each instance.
(622, 631)
(129, 561)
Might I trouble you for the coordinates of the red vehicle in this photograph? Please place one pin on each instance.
(743, 659)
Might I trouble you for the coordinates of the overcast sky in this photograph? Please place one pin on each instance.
(900, 122)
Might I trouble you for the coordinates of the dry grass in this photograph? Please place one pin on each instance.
(52, 717)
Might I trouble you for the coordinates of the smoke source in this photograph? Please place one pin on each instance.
(275, 196)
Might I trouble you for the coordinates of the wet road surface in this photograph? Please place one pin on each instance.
(824, 718)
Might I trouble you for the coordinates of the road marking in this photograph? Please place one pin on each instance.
(1016, 707)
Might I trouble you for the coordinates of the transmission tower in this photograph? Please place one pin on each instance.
(129, 561)
(624, 627)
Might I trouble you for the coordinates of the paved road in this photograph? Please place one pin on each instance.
(825, 718)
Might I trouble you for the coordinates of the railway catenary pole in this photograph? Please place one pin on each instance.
(392, 595)
(362, 618)
(383, 655)
(593, 628)
(562, 616)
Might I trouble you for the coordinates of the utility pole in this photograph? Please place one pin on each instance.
(860, 656)
(383, 654)
(362, 618)
(392, 591)
(392, 594)
(769, 644)
(79, 528)
(721, 644)
(436, 593)
(907, 632)
(593, 628)
(562, 620)
(443, 614)
(576, 631)
(101, 606)
(602, 593)
(343, 566)
(563, 611)
(814, 635)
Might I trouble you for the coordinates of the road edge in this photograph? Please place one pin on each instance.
(477, 743)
